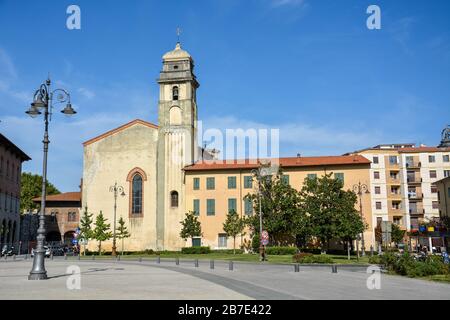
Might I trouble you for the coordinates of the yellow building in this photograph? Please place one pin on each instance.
(212, 189)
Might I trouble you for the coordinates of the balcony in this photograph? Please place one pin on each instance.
(413, 165)
(414, 180)
(416, 211)
(415, 196)
(391, 180)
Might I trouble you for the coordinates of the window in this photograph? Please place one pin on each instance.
(311, 176)
(174, 199)
(435, 204)
(434, 189)
(395, 205)
(53, 217)
(136, 201)
(393, 175)
(248, 206)
(285, 179)
(210, 183)
(210, 207)
(446, 158)
(393, 160)
(175, 93)
(395, 190)
(232, 205)
(379, 221)
(398, 220)
(72, 216)
(231, 182)
(376, 160)
(433, 174)
(223, 240)
(196, 242)
(446, 173)
(339, 176)
(431, 159)
(376, 175)
(7, 168)
(196, 207)
(377, 190)
(1, 166)
(196, 183)
(378, 205)
(248, 182)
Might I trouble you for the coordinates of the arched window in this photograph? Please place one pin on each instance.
(136, 201)
(175, 93)
(174, 199)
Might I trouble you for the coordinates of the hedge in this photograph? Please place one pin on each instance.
(228, 251)
(306, 257)
(196, 250)
(281, 250)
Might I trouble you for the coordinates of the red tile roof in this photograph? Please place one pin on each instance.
(123, 127)
(67, 196)
(423, 149)
(284, 162)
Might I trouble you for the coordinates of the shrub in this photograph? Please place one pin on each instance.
(310, 258)
(196, 250)
(407, 266)
(255, 242)
(228, 251)
(375, 260)
(281, 250)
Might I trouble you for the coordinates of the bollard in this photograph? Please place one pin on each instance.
(140, 259)
(93, 257)
(158, 259)
(371, 250)
(211, 264)
(334, 269)
(296, 267)
(65, 256)
(26, 256)
(118, 258)
(14, 257)
(79, 257)
(230, 266)
(196, 263)
(51, 257)
(177, 261)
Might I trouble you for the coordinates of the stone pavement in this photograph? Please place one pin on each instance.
(108, 279)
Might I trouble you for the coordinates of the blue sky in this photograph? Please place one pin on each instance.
(308, 67)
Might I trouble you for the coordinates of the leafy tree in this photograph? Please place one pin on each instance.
(102, 231)
(234, 226)
(330, 209)
(397, 234)
(86, 232)
(281, 211)
(191, 226)
(31, 187)
(122, 231)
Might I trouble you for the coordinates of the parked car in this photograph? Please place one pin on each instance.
(47, 254)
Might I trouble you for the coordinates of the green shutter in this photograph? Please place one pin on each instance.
(339, 176)
(196, 242)
(196, 207)
(211, 207)
(196, 183)
(312, 176)
(285, 179)
(210, 183)
(248, 182)
(232, 204)
(248, 206)
(231, 182)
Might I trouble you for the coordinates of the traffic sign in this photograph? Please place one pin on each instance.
(265, 235)
(74, 241)
(264, 242)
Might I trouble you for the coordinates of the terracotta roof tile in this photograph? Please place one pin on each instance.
(67, 196)
(423, 149)
(284, 162)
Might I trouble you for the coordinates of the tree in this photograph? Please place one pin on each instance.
(234, 226)
(122, 231)
(397, 234)
(191, 226)
(31, 187)
(86, 232)
(330, 209)
(281, 214)
(102, 231)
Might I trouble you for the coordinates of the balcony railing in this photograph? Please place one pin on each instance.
(415, 195)
(416, 211)
(413, 164)
(414, 180)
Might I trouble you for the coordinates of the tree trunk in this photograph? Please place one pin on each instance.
(122, 246)
(99, 248)
(348, 250)
(234, 245)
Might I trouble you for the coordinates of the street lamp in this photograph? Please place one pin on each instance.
(260, 174)
(116, 189)
(360, 189)
(43, 103)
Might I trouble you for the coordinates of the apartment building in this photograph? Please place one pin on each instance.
(212, 189)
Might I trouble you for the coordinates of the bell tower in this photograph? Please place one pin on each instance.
(177, 142)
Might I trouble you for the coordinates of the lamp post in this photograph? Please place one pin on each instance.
(260, 174)
(359, 189)
(116, 189)
(43, 103)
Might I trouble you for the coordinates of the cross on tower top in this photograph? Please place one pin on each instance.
(178, 34)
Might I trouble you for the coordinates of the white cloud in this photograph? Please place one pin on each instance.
(280, 3)
(86, 93)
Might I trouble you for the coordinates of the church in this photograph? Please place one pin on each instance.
(160, 168)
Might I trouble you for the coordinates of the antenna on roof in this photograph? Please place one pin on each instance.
(178, 34)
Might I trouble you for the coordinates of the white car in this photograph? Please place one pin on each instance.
(47, 254)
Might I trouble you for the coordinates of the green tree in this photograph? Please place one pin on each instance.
(282, 216)
(350, 223)
(397, 234)
(234, 226)
(122, 231)
(86, 232)
(31, 187)
(101, 231)
(330, 209)
(191, 226)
